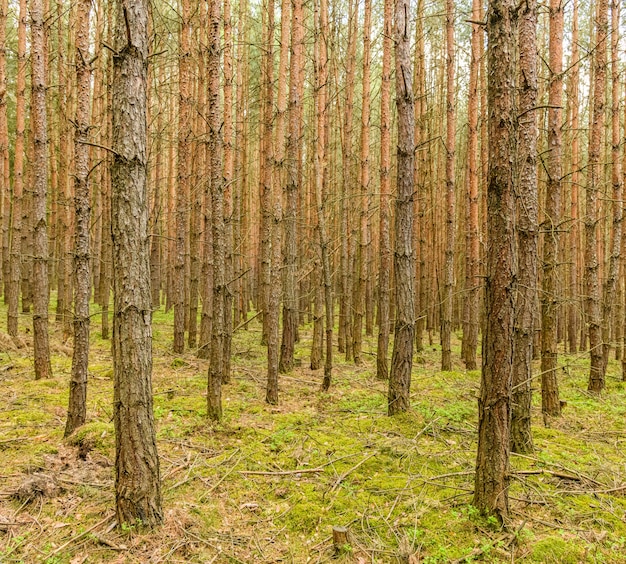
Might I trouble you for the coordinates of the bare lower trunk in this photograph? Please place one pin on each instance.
(77, 409)
(402, 359)
(137, 484)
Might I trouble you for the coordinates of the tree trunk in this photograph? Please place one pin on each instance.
(361, 271)
(494, 410)
(527, 231)
(446, 317)
(594, 175)
(77, 408)
(384, 276)
(610, 283)
(40, 279)
(137, 487)
(472, 263)
(18, 177)
(404, 269)
(216, 367)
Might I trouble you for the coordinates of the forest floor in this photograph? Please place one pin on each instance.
(269, 483)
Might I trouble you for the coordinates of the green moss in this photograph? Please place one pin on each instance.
(98, 434)
(556, 549)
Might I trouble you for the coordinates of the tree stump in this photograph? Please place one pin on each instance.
(340, 539)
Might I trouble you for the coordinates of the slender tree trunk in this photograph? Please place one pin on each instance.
(40, 279)
(273, 309)
(137, 486)
(404, 268)
(229, 169)
(527, 231)
(384, 276)
(77, 408)
(494, 409)
(184, 173)
(572, 97)
(266, 160)
(216, 367)
(292, 187)
(472, 264)
(18, 177)
(347, 258)
(594, 176)
(360, 272)
(446, 318)
(5, 194)
(610, 283)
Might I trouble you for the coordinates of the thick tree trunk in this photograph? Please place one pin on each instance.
(137, 487)
(494, 409)
(404, 268)
(77, 409)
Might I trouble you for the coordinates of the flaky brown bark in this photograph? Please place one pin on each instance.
(594, 175)
(402, 359)
(39, 124)
(384, 276)
(77, 408)
(137, 482)
(494, 411)
(527, 231)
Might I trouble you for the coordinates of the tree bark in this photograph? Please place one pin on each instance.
(40, 278)
(446, 317)
(594, 175)
(137, 487)
(494, 409)
(404, 268)
(527, 231)
(77, 409)
(384, 276)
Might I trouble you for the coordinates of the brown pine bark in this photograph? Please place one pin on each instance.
(610, 283)
(494, 410)
(5, 194)
(594, 176)
(18, 178)
(229, 169)
(472, 263)
(77, 408)
(527, 231)
(404, 268)
(321, 180)
(278, 177)
(446, 317)
(292, 187)
(216, 366)
(137, 486)
(266, 161)
(361, 271)
(345, 340)
(384, 276)
(572, 98)
(550, 404)
(40, 278)
(184, 174)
